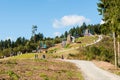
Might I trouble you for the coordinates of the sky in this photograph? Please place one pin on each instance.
(53, 17)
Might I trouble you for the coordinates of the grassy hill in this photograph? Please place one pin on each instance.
(71, 49)
(102, 50)
(99, 51)
(24, 66)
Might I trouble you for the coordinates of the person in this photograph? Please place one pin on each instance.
(36, 56)
(62, 57)
(43, 56)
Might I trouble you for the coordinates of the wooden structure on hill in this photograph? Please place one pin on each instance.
(69, 40)
(87, 33)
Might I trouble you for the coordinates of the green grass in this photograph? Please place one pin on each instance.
(13, 75)
(117, 72)
(87, 39)
(24, 56)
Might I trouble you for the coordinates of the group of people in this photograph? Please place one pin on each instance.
(36, 56)
(43, 56)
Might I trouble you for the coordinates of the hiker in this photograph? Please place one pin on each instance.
(43, 56)
(62, 57)
(36, 56)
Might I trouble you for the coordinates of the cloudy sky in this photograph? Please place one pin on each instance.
(52, 17)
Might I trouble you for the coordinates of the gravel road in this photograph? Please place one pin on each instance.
(92, 72)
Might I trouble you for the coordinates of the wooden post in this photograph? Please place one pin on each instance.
(118, 50)
(114, 41)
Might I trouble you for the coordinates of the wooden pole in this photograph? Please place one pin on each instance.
(118, 50)
(114, 41)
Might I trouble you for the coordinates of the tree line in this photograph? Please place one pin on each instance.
(80, 30)
(23, 45)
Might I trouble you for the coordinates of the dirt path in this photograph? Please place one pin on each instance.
(98, 40)
(91, 72)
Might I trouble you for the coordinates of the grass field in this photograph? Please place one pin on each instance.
(24, 56)
(38, 69)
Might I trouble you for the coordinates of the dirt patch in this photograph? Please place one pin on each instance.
(37, 69)
(107, 66)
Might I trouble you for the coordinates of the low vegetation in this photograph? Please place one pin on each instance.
(86, 39)
(100, 51)
(24, 56)
(70, 51)
(38, 69)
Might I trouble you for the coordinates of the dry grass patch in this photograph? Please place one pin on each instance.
(107, 66)
(31, 69)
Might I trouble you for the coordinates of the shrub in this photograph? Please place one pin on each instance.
(67, 46)
(44, 76)
(11, 62)
(91, 52)
(99, 53)
(13, 75)
(53, 50)
(71, 55)
(106, 55)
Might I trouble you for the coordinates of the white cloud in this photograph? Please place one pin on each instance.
(102, 22)
(57, 34)
(70, 20)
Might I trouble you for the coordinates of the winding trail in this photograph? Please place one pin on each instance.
(92, 72)
(98, 40)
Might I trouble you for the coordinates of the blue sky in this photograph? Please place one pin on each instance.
(52, 17)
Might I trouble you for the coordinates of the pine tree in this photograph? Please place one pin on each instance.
(110, 10)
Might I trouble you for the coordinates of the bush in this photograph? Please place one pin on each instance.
(99, 53)
(7, 52)
(1, 54)
(67, 46)
(44, 76)
(71, 55)
(106, 55)
(53, 50)
(13, 75)
(57, 40)
(91, 52)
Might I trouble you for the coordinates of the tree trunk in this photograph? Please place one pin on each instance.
(114, 40)
(118, 50)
